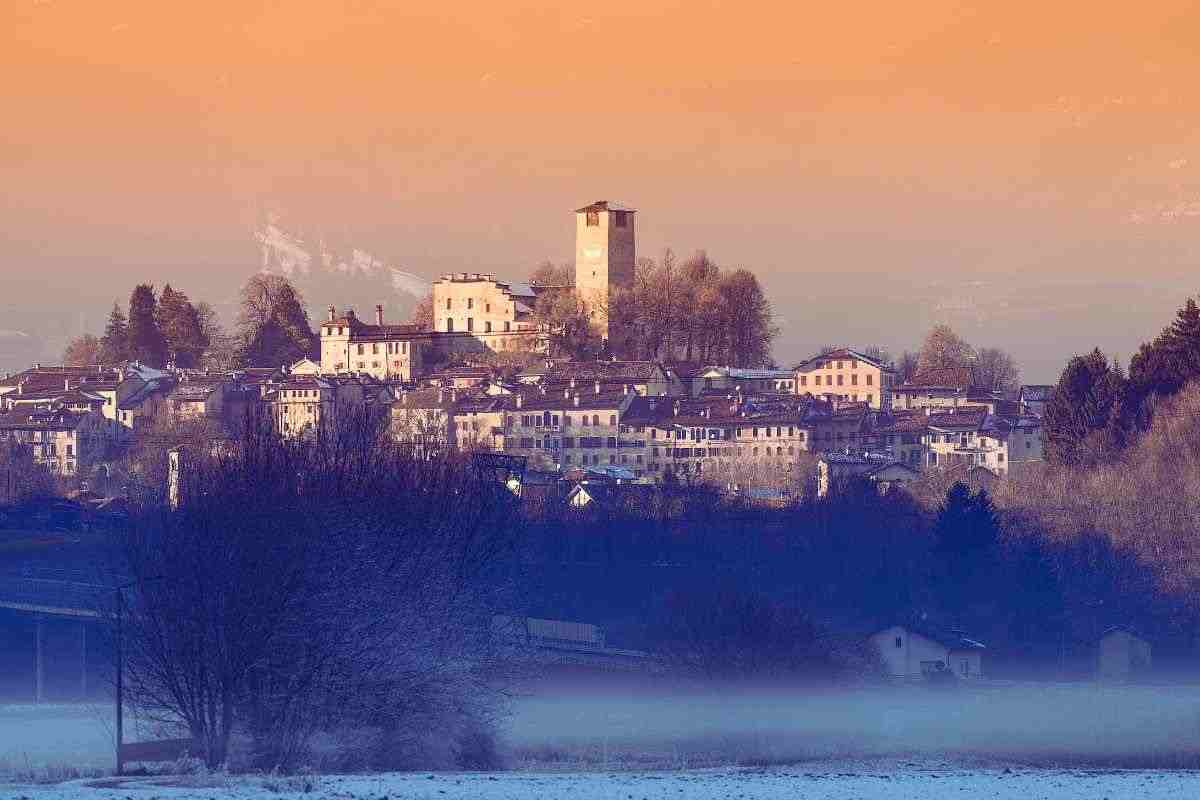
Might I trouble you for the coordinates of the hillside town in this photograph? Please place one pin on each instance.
(763, 432)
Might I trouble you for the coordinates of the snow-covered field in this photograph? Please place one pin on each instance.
(629, 743)
(871, 780)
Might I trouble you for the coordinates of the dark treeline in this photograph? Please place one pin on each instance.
(1098, 408)
(161, 328)
(851, 564)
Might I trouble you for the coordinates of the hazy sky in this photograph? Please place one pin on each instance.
(1027, 170)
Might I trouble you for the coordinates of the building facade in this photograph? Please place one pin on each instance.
(385, 352)
(847, 375)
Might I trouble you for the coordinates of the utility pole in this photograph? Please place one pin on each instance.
(120, 679)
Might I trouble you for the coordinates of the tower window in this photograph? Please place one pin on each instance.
(593, 218)
(470, 323)
(449, 324)
(470, 302)
(447, 303)
(619, 218)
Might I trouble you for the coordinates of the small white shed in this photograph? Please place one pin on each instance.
(911, 651)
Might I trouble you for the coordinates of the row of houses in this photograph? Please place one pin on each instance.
(652, 419)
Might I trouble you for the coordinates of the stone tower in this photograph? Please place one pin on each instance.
(604, 256)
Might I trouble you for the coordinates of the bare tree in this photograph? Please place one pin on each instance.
(82, 351)
(943, 349)
(995, 369)
(423, 313)
(337, 583)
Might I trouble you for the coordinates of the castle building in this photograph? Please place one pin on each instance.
(477, 311)
(484, 312)
(605, 256)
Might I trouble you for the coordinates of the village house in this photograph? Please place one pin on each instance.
(902, 435)
(915, 651)
(424, 418)
(947, 387)
(834, 469)
(303, 405)
(747, 381)
(1033, 398)
(385, 352)
(847, 375)
(66, 442)
(646, 378)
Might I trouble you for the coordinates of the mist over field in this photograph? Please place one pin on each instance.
(1069, 724)
(647, 725)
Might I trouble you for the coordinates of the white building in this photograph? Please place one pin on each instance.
(910, 651)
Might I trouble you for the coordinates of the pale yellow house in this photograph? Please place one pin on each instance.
(849, 376)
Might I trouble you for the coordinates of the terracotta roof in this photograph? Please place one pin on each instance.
(36, 419)
(841, 354)
(959, 419)
(943, 378)
(615, 371)
(605, 205)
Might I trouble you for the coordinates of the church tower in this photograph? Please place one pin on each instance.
(605, 256)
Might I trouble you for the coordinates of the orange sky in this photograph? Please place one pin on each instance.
(978, 162)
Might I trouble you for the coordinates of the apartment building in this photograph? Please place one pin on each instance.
(385, 352)
(847, 375)
(570, 427)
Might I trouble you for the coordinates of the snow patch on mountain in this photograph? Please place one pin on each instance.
(287, 254)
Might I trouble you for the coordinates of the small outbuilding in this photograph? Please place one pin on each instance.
(1122, 655)
(915, 651)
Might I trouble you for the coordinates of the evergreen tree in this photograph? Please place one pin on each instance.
(146, 341)
(181, 325)
(273, 326)
(114, 345)
(271, 346)
(1162, 367)
(966, 535)
(1087, 414)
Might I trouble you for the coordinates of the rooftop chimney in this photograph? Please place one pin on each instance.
(576, 401)
(379, 315)
(566, 394)
(626, 389)
(597, 387)
(520, 401)
(332, 313)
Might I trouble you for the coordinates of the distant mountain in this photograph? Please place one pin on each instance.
(345, 276)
